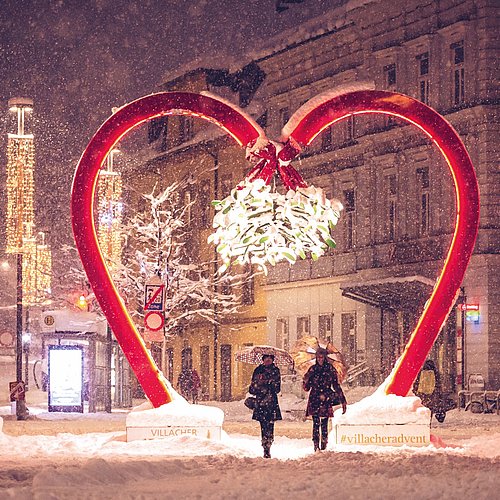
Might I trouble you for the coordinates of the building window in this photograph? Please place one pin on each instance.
(284, 116)
(186, 128)
(326, 139)
(391, 195)
(303, 326)
(424, 184)
(390, 76)
(205, 204)
(458, 64)
(325, 327)
(248, 288)
(157, 129)
(282, 334)
(423, 77)
(262, 119)
(390, 85)
(349, 218)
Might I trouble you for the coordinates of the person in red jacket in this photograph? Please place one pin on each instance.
(321, 379)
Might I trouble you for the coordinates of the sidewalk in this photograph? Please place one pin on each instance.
(458, 425)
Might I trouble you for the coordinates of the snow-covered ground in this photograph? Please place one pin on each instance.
(83, 463)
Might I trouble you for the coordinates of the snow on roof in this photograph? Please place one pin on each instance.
(316, 101)
(331, 20)
(73, 321)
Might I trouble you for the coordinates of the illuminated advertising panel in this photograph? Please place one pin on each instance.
(66, 378)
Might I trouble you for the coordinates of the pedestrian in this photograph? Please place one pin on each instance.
(265, 386)
(184, 383)
(320, 379)
(427, 387)
(195, 385)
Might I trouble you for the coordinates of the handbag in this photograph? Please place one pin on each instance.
(250, 402)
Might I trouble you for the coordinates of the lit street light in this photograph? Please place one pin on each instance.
(20, 219)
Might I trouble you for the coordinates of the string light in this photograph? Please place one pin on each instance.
(37, 270)
(20, 189)
(109, 209)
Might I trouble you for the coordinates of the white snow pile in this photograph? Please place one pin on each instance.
(176, 413)
(381, 408)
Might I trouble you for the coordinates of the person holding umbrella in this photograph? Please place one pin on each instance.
(265, 386)
(319, 379)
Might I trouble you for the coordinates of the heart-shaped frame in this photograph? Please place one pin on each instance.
(245, 132)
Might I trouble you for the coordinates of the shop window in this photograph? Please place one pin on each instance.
(303, 326)
(325, 327)
(282, 334)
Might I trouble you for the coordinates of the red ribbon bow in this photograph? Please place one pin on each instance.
(274, 158)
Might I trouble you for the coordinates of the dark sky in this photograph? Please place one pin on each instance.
(78, 58)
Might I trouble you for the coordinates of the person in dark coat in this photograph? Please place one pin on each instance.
(195, 385)
(427, 387)
(319, 379)
(265, 386)
(184, 383)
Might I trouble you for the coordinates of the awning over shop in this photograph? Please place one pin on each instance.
(391, 293)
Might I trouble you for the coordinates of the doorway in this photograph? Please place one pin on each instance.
(225, 371)
(349, 341)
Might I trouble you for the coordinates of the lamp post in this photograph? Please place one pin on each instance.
(109, 203)
(20, 217)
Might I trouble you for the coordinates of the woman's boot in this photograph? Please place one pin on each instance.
(266, 444)
(324, 433)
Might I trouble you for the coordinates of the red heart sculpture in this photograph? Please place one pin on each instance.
(245, 132)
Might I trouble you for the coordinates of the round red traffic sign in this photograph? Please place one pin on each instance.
(154, 321)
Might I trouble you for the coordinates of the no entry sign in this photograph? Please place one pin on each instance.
(154, 321)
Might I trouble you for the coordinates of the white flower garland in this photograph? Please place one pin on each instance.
(254, 224)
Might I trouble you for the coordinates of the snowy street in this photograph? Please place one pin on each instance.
(62, 456)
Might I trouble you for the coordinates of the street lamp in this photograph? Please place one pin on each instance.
(20, 216)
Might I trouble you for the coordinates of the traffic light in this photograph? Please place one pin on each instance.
(82, 303)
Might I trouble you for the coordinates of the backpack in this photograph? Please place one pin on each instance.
(427, 382)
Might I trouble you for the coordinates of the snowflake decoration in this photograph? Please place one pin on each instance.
(258, 226)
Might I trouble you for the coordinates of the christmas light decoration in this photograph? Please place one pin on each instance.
(37, 270)
(20, 188)
(109, 209)
(257, 225)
